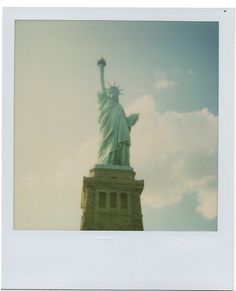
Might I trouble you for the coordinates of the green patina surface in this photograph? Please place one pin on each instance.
(114, 125)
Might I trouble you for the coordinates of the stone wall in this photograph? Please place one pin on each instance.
(111, 200)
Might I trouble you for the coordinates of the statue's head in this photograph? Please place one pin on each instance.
(114, 92)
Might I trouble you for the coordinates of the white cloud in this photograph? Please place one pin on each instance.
(162, 82)
(207, 203)
(176, 154)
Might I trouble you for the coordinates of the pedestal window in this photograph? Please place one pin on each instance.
(102, 200)
(124, 200)
(113, 200)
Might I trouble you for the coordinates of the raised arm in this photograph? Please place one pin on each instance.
(102, 63)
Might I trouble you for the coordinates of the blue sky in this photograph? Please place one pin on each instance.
(187, 52)
(169, 73)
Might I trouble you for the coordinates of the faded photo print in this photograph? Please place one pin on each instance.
(116, 125)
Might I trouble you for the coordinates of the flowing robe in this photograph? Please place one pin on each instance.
(114, 131)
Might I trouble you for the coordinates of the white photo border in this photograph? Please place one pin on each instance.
(122, 260)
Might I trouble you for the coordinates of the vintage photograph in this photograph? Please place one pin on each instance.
(116, 125)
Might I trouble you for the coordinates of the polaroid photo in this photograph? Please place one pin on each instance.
(118, 128)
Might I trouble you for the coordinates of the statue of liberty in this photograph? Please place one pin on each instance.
(114, 125)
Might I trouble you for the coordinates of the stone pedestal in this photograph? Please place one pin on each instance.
(111, 200)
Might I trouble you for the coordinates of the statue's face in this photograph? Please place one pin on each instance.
(115, 93)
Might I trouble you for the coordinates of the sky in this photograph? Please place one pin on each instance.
(169, 73)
